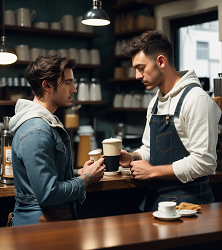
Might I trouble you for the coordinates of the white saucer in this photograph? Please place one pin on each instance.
(157, 214)
(187, 212)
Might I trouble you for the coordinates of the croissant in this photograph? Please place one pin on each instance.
(185, 205)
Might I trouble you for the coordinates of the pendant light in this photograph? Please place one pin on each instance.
(7, 53)
(96, 16)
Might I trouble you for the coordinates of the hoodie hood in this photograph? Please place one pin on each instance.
(25, 110)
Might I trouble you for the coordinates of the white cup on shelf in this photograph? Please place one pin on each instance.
(34, 53)
(73, 54)
(94, 56)
(51, 52)
(41, 25)
(24, 17)
(62, 52)
(84, 57)
(67, 23)
(80, 27)
(9, 17)
(55, 26)
(22, 51)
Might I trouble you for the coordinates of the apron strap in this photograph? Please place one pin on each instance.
(154, 109)
(185, 92)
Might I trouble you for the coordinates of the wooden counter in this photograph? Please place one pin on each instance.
(109, 182)
(133, 231)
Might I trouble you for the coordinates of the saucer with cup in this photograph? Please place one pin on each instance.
(167, 211)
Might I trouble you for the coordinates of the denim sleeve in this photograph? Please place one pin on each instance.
(47, 176)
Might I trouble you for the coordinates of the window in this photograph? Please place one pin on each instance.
(202, 50)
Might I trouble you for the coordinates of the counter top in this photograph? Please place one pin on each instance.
(132, 231)
(110, 182)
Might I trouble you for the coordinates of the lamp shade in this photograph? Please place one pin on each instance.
(7, 54)
(96, 16)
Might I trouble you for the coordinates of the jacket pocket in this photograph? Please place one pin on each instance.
(61, 154)
(164, 142)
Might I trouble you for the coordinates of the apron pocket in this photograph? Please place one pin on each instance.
(164, 142)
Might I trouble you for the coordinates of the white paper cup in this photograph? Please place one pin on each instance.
(95, 154)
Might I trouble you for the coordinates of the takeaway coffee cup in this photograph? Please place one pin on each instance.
(167, 208)
(95, 154)
(112, 150)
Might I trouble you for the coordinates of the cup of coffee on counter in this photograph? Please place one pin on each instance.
(112, 150)
(95, 154)
(167, 208)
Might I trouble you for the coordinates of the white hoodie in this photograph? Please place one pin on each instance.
(198, 134)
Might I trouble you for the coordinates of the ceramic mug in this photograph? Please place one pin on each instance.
(84, 57)
(41, 25)
(34, 53)
(62, 52)
(94, 56)
(51, 52)
(73, 54)
(55, 26)
(67, 22)
(24, 17)
(167, 208)
(22, 51)
(80, 27)
(9, 17)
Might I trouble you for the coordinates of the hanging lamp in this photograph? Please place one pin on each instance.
(7, 53)
(96, 16)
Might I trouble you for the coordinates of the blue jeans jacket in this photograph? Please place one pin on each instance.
(43, 174)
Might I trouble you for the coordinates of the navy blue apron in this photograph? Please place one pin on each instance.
(166, 148)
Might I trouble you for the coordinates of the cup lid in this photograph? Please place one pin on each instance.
(95, 152)
(111, 140)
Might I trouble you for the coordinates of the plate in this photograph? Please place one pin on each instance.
(187, 212)
(157, 214)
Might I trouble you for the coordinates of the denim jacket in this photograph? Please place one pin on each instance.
(41, 158)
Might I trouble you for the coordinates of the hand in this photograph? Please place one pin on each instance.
(92, 171)
(126, 158)
(141, 170)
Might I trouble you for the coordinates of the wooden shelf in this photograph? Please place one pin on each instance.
(118, 57)
(128, 109)
(50, 32)
(135, 4)
(122, 80)
(12, 103)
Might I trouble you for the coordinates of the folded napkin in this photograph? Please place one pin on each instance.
(190, 206)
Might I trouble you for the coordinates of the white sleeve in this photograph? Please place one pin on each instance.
(201, 127)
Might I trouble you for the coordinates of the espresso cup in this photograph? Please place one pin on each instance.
(9, 17)
(112, 150)
(41, 25)
(34, 53)
(84, 57)
(67, 22)
(95, 155)
(94, 56)
(55, 26)
(167, 208)
(24, 17)
(22, 51)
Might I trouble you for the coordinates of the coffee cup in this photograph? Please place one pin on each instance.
(34, 53)
(112, 150)
(55, 26)
(22, 51)
(67, 22)
(95, 155)
(24, 17)
(84, 57)
(80, 27)
(94, 56)
(62, 52)
(41, 25)
(167, 208)
(9, 17)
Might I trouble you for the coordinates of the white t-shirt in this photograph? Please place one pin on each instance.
(197, 127)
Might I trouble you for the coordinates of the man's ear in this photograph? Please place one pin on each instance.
(46, 85)
(161, 61)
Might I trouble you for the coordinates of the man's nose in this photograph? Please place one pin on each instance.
(74, 90)
(138, 75)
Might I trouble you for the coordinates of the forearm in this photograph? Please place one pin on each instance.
(162, 172)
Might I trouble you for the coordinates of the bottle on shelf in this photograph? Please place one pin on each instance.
(83, 90)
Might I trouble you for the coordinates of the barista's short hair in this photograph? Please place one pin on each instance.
(48, 68)
(152, 43)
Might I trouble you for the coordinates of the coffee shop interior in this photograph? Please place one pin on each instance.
(109, 101)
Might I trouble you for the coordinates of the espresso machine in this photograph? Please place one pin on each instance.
(6, 172)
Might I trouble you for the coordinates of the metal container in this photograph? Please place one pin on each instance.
(218, 85)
